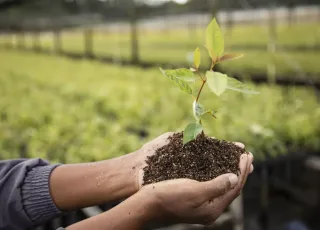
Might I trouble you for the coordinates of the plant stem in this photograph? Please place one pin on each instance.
(199, 75)
(203, 82)
(212, 65)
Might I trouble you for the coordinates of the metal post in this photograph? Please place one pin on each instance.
(10, 40)
(21, 39)
(88, 42)
(57, 41)
(271, 67)
(36, 40)
(134, 33)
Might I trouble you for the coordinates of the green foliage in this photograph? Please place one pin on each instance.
(197, 58)
(214, 40)
(176, 78)
(234, 84)
(230, 56)
(183, 74)
(199, 110)
(191, 132)
(87, 116)
(217, 82)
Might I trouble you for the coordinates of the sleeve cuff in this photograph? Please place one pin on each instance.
(36, 197)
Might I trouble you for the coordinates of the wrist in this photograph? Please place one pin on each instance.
(120, 179)
(149, 203)
(141, 208)
(125, 177)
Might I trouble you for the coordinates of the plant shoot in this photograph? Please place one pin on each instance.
(217, 82)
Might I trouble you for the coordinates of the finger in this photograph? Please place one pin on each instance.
(249, 162)
(251, 168)
(220, 185)
(239, 144)
(226, 199)
(243, 167)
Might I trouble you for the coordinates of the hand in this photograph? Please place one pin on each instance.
(182, 200)
(190, 201)
(139, 157)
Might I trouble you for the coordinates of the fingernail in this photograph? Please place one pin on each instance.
(233, 180)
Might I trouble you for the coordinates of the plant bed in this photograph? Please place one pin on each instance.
(192, 154)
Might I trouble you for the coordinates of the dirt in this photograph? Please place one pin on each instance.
(202, 159)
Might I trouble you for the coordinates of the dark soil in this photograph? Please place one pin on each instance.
(202, 159)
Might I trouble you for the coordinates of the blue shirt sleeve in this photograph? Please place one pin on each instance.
(25, 198)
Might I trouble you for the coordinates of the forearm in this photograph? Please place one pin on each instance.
(131, 214)
(80, 185)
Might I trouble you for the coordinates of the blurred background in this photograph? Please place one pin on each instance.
(79, 81)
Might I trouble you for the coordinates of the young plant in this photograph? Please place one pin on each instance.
(217, 82)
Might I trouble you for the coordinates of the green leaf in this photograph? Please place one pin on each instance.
(217, 82)
(214, 40)
(229, 57)
(199, 110)
(197, 58)
(191, 132)
(182, 84)
(234, 84)
(183, 74)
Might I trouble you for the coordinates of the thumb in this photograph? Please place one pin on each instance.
(220, 185)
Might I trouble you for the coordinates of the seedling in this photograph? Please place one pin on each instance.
(217, 82)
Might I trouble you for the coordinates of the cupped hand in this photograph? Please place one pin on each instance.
(139, 157)
(190, 201)
(186, 200)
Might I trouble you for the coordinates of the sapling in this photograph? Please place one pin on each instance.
(217, 82)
